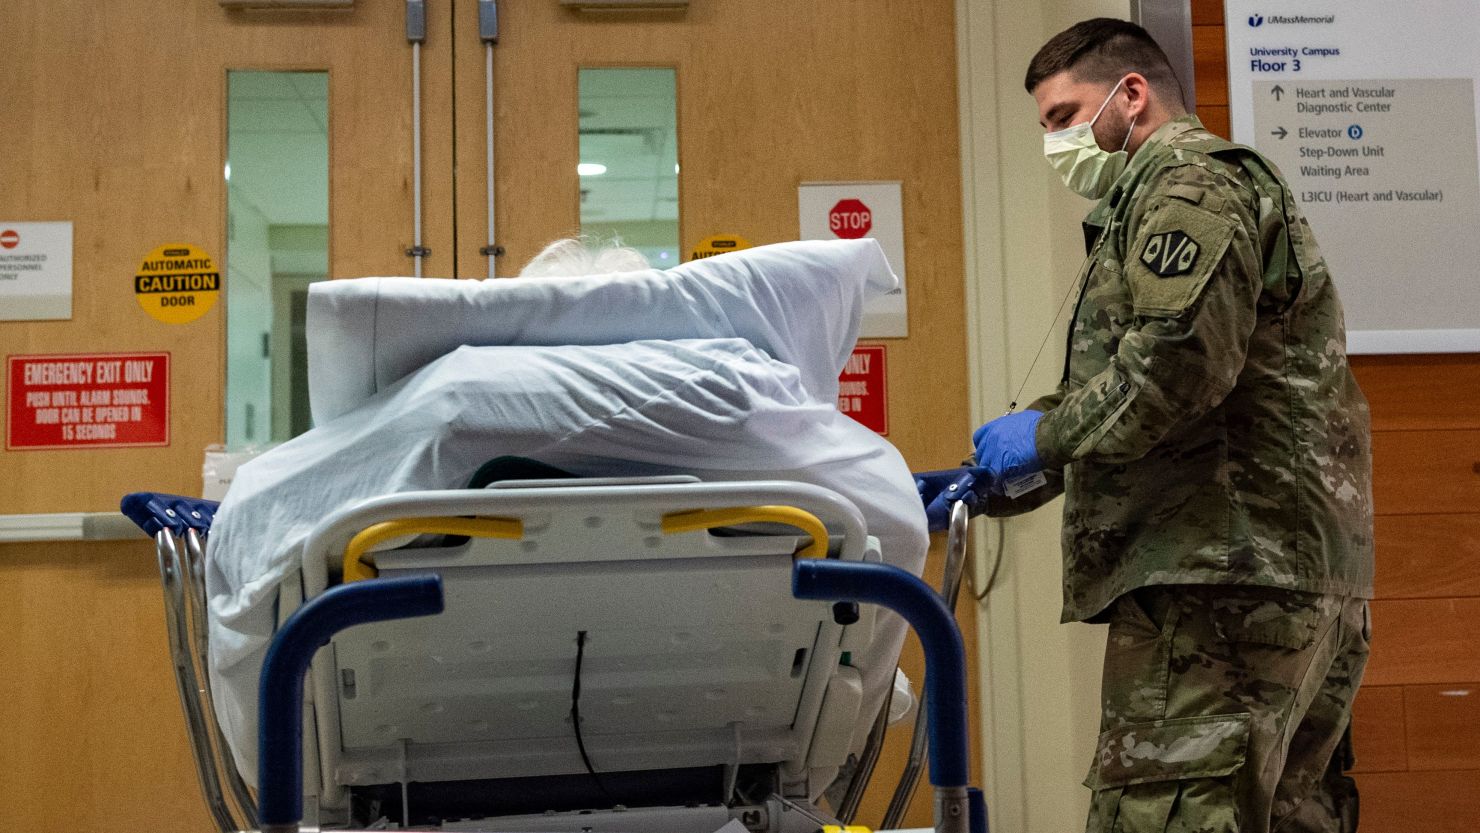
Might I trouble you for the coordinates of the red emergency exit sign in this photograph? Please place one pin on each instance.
(104, 400)
(861, 388)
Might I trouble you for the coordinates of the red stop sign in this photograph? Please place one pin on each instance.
(850, 219)
(9, 239)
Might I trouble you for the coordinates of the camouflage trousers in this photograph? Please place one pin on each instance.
(1222, 710)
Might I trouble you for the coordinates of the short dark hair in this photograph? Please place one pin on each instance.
(1103, 50)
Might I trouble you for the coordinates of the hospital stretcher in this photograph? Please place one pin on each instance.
(627, 644)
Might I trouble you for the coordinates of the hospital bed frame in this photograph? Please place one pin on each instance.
(180, 526)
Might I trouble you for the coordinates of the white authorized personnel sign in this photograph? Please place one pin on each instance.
(1369, 109)
(35, 271)
(850, 210)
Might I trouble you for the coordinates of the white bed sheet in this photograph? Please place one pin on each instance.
(800, 302)
(721, 408)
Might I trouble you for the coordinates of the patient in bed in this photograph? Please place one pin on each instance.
(727, 370)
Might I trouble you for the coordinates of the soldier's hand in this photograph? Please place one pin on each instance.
(1007, 447)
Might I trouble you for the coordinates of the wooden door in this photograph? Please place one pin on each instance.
(770, 93)
(113, 117)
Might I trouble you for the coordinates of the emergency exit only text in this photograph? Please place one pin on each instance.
(91, 401)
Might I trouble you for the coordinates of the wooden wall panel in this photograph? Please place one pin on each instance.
(1214, 119)
(1409, 802)
(1423, 641)
(1207, 13)
(1378, 729)
(93, 737)
(1426, 472)
(1210, 66)
(1428, 556)
(1421, 392)
(1443, 726)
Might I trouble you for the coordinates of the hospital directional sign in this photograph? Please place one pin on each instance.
(1368, 107)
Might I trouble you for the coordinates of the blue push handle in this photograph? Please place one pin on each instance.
(976, 802)
(945, 657)
(154, 511)
(280, 694)
(940, 489)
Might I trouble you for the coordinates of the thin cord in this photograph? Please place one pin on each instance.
(996, 565)
(575, 714)
(1052, 328)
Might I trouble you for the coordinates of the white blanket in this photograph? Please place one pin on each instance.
(716, 407)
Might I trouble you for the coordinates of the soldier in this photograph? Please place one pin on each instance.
(1214, 453)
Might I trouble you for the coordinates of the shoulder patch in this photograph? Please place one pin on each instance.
(1170, 253)
(1175, 252)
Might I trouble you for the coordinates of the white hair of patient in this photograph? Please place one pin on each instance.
(574, 256)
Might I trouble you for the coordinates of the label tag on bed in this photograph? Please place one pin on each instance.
(1021, 485)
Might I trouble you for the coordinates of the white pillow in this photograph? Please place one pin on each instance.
(800, 302)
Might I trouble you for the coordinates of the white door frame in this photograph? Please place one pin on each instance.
(1039, 680)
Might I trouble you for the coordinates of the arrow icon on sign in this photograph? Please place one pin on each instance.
(1278, 91)
(1279, 134)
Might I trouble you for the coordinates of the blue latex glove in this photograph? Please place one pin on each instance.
(1007, 447)
(938, 496)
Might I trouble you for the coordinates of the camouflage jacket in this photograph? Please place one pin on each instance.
(1208, 429)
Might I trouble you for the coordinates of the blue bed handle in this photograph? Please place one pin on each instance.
(941, 488)
(945, 668)
(154, 511)
(280, 693)
(945, 656)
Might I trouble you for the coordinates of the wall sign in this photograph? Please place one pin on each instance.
(105, 400)
(177, 283)
(35, 271)
(862, 391)
(1369, 109)
(850, 210)
(718, 244)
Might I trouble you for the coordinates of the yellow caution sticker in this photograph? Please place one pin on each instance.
(718, 244)
(177, 283)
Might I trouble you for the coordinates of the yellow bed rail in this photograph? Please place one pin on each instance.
(513, 529)
(697, 519)
(355, 569)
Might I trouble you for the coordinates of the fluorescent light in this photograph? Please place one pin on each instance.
(228, 171)
(590, 169)
(675, 167)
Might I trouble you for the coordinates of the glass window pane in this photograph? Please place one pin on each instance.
(629, 159)
(277, 175)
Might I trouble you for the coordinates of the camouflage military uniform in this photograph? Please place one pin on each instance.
(1221, 710)
(1213, 448)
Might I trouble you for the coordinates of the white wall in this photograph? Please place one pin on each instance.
(1040, 679)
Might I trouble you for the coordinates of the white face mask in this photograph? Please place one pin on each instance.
(1088, 169)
